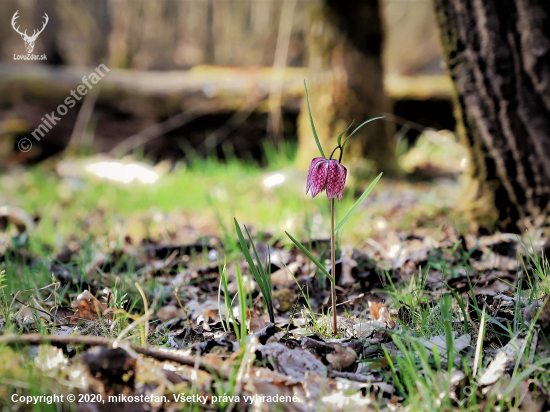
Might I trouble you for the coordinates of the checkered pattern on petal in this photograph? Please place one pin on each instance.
(312, 168)
(319, 178)
(336, 179)
(343, 175)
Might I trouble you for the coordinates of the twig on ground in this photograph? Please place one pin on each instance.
(158, 354)
(353, 376)
(32, 307)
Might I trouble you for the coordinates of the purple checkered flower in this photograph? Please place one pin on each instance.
(326, 174)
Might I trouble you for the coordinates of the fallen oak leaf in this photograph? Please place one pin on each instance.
(295, 363)
(439, 343)
(379, 311)
(257, 323)
(383, 314)
(169, 312)
(495, 370)
(504, 359)
(374, 308)
(88, 307)
(342, 358)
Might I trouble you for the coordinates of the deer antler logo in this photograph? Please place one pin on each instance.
(29, 40)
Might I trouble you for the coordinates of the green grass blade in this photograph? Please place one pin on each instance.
(266, 280)
(259, 275)
(528, 337)
(242, 305)
(306, 298)
(246, 252)
(311, 257)
(228, 304)
(394, 371)
(312, 125)
(358, 203)
(493, 320)
(220, 304)
(268, 270)
(341, 134)
(447, 318)
(528, 371)
(358, 127)
(260, 266)
(461, 305)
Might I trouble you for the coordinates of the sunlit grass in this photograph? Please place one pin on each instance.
(201, 191)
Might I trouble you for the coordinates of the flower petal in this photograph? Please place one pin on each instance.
(319, 178)
(336, 180)
(314, 163)
(343, 176)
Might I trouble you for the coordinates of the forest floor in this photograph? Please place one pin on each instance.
(122, 295)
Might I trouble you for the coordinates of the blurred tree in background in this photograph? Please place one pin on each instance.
(345, 81)
(240, 62)
(498, 55)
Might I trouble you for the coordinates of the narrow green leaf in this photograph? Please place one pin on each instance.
(341, 134)
(260, 266)
(259, 275)
(242, 305)
(222, 273)
(266, 280)
(529, 335)
(305, 296)
(311, 257)
(358, 203)
(462, 306)
(446, 312)
(535, 366)
(268, 270)
(358, 127)
(248, 257)
(312, 125)
(228, 302)
(496, 322)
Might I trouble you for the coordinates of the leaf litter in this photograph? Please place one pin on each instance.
(396, 346)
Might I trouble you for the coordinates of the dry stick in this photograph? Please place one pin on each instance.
(181, 306)
(32, 307)
(161, 355)
(155, 369)
(239, 117)
(156, 131)
(147, 313)
(333, 267)
(353, 377)
(83, 118)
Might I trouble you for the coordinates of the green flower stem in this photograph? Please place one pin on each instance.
(333, 267)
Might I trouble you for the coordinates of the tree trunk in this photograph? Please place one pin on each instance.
(345, 83)
(48, 39)
(498, 55)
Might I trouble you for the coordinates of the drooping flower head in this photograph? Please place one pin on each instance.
(326, 174)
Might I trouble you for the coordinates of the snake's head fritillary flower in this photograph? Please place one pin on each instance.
(326, 174)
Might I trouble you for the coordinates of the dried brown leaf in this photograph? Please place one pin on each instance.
(168, 312)
(87, 307)
(257, 323)
(342, 358)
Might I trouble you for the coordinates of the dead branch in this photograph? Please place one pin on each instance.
(158, 354)
(353, 377)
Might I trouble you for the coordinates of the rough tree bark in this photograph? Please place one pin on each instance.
(345, 83)
(498, 55)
